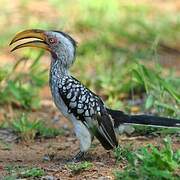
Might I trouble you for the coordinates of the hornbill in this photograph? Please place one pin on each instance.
(86, 110)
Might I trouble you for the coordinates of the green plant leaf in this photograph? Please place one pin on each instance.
(149, 102)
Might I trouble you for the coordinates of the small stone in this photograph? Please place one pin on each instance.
(48, 178)
(105, 178)
(46, 158)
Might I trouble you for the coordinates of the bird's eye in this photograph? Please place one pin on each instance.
(52, 40)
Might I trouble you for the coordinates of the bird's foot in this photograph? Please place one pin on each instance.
(78, 157)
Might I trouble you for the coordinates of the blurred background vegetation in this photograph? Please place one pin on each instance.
(128, 53)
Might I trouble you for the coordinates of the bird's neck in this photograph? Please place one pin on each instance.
(58, 70)
(60, 63)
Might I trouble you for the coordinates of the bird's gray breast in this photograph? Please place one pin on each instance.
(54, 86)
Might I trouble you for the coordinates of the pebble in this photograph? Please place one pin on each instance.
(46, 158)
(105, 178)
(48, 178)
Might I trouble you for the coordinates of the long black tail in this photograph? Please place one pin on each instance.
(122, 118)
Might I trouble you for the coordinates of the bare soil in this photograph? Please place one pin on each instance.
(61, 149)
(64, 147)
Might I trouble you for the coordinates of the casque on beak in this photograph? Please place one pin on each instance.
(31, 33)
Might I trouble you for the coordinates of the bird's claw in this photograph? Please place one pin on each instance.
(78, 157)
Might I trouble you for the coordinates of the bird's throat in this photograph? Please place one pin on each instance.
(60, 66)
(54, 55)
(57, 70)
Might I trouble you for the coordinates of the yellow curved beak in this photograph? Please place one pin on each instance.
(31, 33)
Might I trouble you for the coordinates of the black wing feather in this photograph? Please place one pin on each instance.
(107, 130)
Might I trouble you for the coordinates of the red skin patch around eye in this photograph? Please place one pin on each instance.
(53, 40)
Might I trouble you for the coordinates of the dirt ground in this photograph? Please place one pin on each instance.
(63, 147)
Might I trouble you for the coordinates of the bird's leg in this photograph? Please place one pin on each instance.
(84, 137)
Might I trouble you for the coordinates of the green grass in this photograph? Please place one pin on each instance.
(21, 88)
(123, 153)
(28, 129)
(162, 92)
(150, 162)
(16, 172)
(155, 131)
(79, 167)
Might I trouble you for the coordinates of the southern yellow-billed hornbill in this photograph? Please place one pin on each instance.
(85, 109)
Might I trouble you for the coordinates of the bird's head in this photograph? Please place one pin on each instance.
(61, 46)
